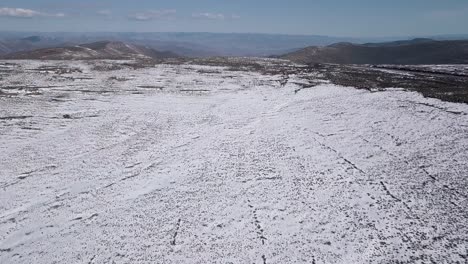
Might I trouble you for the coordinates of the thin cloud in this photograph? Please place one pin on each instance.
(214, 16)
(153, 15)
(26, 13)
(211, 16)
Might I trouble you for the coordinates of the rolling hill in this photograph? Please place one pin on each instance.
(416, 51)
(95, 50)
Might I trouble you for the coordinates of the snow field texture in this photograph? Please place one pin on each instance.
(200, 164)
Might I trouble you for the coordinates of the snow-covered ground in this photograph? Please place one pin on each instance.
(198, 164)
(456, 69)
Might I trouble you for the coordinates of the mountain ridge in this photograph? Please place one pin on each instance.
(94, 50)
(416, 51)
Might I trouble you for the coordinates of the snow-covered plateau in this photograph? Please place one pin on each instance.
(108, 162)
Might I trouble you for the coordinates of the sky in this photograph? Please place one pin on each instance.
(348, 18)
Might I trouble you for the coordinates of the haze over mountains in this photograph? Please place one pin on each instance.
(188, 44)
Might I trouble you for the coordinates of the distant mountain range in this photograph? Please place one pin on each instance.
(11, 45)
(96, 50)
(416, 51)
(140, 45)
(186, 44)
(197, 44)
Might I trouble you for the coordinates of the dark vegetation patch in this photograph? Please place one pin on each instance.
(103, 66)
(58, 69)
(233, 64)
(203, 71)
(150, 87)
(131, 64)
(119, 79)
(14, 117)
(446, 83)
(444, 86)
(194, 90)
(89, 91)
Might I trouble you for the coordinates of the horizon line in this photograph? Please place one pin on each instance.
(240, 33)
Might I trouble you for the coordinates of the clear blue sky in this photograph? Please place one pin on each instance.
(357, 18)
